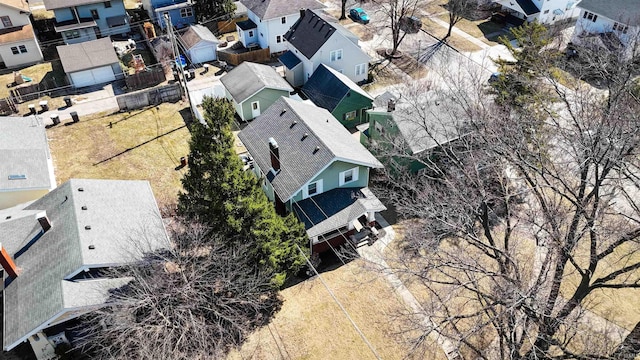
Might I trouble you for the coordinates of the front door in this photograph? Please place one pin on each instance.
(255, 109)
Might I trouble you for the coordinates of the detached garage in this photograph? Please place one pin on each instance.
(90, 63)
(200, 43)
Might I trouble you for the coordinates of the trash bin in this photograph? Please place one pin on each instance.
(67, 101)
(55, 119)
(74, 116)
(44, 104)
(32, 109)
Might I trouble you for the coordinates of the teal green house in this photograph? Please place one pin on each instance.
(334, 91)
(312, 166)
(415, 128)
(252, 88)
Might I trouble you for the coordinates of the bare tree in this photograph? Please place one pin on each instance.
(459, 9)
(395, 11)
(194, 301)
(524, 224)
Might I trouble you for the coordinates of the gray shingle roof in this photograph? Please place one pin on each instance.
(300, 161)
(24, 150)
(196, 33)
(334, 209)
(271, 9)
(249, 78)
(327, 87)
(60, 4)
(124, 220)
(310, 32)
(623, 11)
(87, 55)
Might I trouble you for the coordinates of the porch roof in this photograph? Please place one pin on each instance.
(289, 60)
(246, 25)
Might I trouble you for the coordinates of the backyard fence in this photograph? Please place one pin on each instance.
(155, 96)
(145, 79)
(259, 56)
(228, 26)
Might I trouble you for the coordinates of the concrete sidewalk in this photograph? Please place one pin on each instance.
(89, 103)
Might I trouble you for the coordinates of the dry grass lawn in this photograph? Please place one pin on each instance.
(310, 324)
(143, 145)
(35, 72)
(454, 40)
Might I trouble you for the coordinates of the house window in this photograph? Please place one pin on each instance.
(107, 4)
(278, 39)
(312, 189)
(336, 55)
(6, 21)
(348, 176)
(250, 33)
(361, 69)
(379, 128)
(284, 19)
(546, 12)
(254, 105)
(186, 12)
(590, 16)
(620, 27)
(14, 50)
(72, 34)
(94, 14)
(351, 115)
(23, 49)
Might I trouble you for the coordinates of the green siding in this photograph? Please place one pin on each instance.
(266, 97)
(353, 101)
(331, 178)
(385, 121)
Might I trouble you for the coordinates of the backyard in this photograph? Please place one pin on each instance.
(144, 144)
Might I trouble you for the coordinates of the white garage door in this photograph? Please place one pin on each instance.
(92, 77)
(203, 54)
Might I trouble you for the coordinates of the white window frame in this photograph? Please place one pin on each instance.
(350, 115)
(23, 49)
(6, 21)
(73, 34)
(353, 172)
(283, 19)
(361, 69)
(335, 55)
(590, 16)
(620, 27)
(379, 128)
(546, 12)
(14, 50)
(186, 12)
(250, 33)
(305, 189)
(278, 39)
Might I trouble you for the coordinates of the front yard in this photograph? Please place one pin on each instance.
(139, 145)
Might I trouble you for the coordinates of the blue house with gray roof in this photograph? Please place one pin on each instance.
(53, 249)
(312, 166)
(181, 11)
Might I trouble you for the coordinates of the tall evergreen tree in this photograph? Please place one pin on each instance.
(209, 9)
(218, 192)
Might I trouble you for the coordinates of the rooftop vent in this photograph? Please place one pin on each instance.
(305, 136)
(316, 149)
(8, 217)
(284, 111)
(18, 177)
(80, 189)
(84, 207)
(91, 247)
(44, 221)
(88, 227)
(293, 124)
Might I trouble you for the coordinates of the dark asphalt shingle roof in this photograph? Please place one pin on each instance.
(328, 87)
(528, 7)
(246, 24)
(248, 78)
(334, 209)
(24, 150)
(310, 32)
(623, 11)
(87, 55)
(124, 219)
(271, 9)
(287, 121)
(289, 59)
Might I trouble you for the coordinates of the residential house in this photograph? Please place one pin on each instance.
(84, 20)
(312, 166)
(26, 169)
(335, 92)
(415, 127)
(61, 242)
(18, 43)
(612, 24)
(544, 11)
(315, 40)
(269, 20)
(252, 88)
(199, 43)
(181, 12)
(90, 63)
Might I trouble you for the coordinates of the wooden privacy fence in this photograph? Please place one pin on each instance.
(227, 26)
(259, 56)
(145, 79)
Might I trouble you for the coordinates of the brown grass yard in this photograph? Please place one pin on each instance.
(143, 144)
(454, 40)
(36, 72)
(310, 324)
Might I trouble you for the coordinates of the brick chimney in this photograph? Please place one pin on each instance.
(302, 11)
(275, 154)
(7, 263)
(44, 221)
(391, 105)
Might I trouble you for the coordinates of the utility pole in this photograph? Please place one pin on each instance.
(176, 60)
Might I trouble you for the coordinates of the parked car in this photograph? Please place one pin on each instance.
(359, 15)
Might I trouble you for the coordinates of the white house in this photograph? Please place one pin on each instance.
(608, 23)
(200, 44)
(545, 11)
(90, 63)
(18, 44)
(269, 20)
(315, 40)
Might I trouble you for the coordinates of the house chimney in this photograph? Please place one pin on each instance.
(7, 263)
(302, 11)
(44, 221)
(391, 105)
(275, 154)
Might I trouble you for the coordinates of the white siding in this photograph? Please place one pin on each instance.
(33, 54)
(95, 76)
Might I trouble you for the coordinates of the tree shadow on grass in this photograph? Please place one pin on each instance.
(139, 145)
